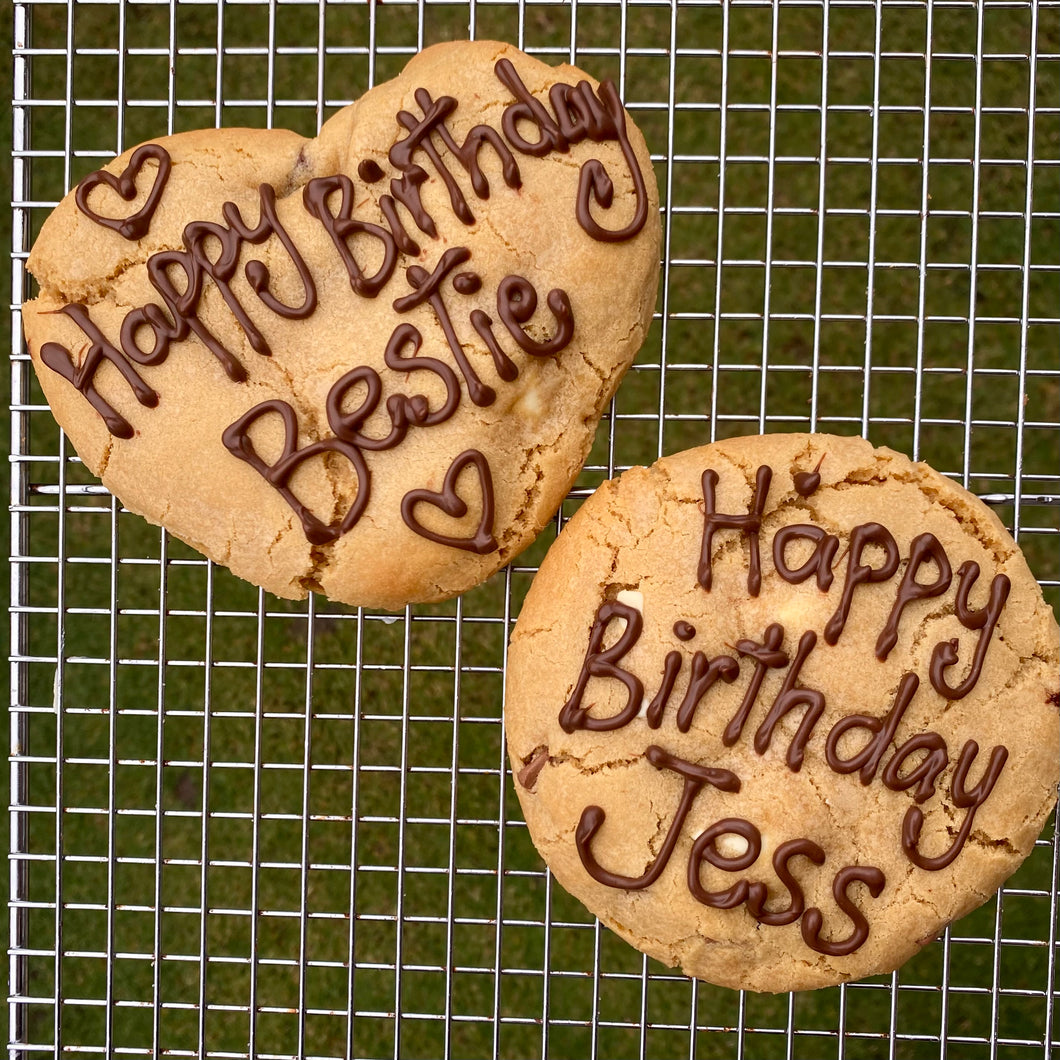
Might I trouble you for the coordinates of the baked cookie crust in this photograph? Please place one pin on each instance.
(781, 708)
(369, 364)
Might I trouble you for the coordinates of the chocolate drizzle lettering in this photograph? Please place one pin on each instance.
(696, 777)
(813, 920)
(82, 376)
(279, 474)
(965, 798)
(578, 114)
(599, 662)
(369, 248)
(872, 747)
(982, 618)
(341, 226)
(857, 572)
(749, 524)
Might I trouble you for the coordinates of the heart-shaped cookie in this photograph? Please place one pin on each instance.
(274, 354)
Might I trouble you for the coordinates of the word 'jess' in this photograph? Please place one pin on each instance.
(708, 850)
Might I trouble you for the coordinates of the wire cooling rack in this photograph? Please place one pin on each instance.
(242, 827)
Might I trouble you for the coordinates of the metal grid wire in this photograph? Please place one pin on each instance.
(242, 827)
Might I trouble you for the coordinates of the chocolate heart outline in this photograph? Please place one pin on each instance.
(136, 225)
(449, 501)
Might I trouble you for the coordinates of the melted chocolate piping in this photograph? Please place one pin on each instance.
(983, 618)
(449, 501)
(237, 441)
(137, 225)
(812, 920)
(601, 662)
(749, 524)
(592, 817)
(784, 853)
(925, 548)
(705, 849)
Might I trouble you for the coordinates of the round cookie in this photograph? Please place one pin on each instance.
(781, 708)
(371, 363)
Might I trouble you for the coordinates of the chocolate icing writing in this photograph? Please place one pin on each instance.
(749, 524)
(450, 502)
(766, 655)
(179, 275)
(506, 368)
(516, 304)
(857, 572)
(182, 299)
(820, 561)
(784, 853)
(415, 410)
(812, 920)
(925, 773)
(983, 618)
(404, 411)
(705, 849)
(435, 112)
(199, 236)
(237, 440)
(914, 764)
(579, 114)
(656, 708)
(867, 760)
(969, 799)
(789, 698)
(356, 396)
(702, 675)
(696, 777)
(426, 288)
(82, 376)
(925, 548)
(406, 191)
(137, 225)
(316, 196)
(600, 662)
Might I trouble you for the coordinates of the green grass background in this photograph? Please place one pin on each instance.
(159, 683)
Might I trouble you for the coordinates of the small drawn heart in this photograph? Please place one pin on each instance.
(136, 225)
(450, 502)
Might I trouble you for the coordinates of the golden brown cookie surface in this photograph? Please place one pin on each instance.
(370, 363)
(781, 708)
